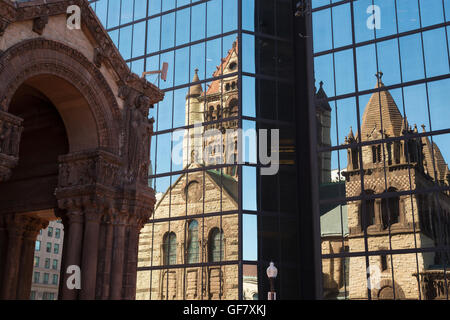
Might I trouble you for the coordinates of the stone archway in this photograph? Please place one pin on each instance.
(387, 289)
(100, 186)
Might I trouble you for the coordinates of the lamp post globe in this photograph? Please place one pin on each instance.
(272, 273)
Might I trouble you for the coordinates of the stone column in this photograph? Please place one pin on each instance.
(92, 218)
(15, 232)
(118, 256)
(3, 246)
(132, 261)
(108, 230)
(72, 249)
(32, 226)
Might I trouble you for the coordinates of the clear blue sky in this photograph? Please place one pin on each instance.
(415, 64)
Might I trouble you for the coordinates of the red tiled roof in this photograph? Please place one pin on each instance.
(214, 87)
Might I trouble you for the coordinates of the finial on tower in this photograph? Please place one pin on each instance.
(379, 75)
(423, 127)
(321, 84)
(350, 134)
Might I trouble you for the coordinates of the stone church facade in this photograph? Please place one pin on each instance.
(74, 145)
(194, 239)
(395, 222)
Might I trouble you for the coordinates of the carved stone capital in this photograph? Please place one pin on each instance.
(75, 216)
(94, 209)
(24, 226)
(73, 210)
(32, 227)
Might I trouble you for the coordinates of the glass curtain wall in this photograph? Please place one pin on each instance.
(382, 72)
(229, 75)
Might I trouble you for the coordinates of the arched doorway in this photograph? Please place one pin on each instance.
(33, 181)
(28, 202)
(74, 146)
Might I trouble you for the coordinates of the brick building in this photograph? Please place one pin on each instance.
(47, 262)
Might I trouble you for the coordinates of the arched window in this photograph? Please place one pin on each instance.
(233, 107)
(211, 113)
(215, 245)
(369, 218)
(169, 248)
(390, 209)
(376, 154)
(192, 242)
(355, 159)
(219, 112)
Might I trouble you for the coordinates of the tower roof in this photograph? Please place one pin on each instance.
(440, 167)
(195, 90)
(381, 108)
(322, 98)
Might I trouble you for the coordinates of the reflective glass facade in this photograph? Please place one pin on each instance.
(358, 91)
(383, 68)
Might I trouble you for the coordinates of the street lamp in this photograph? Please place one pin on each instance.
(272, 273)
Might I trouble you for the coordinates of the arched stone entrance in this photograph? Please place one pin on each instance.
(387, 289)
(90, 157)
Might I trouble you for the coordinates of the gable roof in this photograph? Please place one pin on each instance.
(105, 49)
(214, 87)
(229, 184)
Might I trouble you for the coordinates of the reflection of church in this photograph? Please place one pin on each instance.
(189, 238)
(395, 222)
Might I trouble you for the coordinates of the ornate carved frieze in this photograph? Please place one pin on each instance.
(10, 133)
(89, 168)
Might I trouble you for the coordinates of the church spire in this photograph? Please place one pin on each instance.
(195, 90)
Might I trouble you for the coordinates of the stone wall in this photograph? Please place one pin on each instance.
(216, 282)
